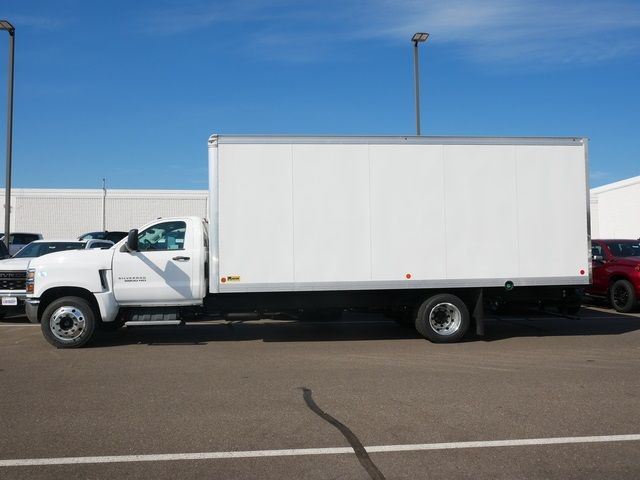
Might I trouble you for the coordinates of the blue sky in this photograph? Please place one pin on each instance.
(132, 90)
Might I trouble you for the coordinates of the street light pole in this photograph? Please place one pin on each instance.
(416, 39)
(5, 25)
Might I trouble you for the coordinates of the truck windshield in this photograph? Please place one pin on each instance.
(624, 249)
(42, 248)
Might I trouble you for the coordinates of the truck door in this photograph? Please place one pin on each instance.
(161, 272)
(599, 275)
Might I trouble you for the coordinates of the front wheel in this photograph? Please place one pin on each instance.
(69, 322)
(443, 318)
(623, 296)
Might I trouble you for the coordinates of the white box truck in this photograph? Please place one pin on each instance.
(427, 229)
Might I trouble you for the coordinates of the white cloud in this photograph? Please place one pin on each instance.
(502, 31)
(36, 22)
(571, 31)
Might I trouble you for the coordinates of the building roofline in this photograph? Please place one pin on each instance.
(98, 192)
(616, 185)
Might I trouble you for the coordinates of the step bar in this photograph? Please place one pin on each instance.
(151, 323)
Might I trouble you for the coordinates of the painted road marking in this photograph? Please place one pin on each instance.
(29, 462)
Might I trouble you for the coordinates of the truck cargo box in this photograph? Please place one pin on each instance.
(362, 213)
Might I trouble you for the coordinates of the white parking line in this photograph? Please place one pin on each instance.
(27, 462)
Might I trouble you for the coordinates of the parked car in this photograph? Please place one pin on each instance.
(616, 272)
(13, 271)
(17, 240)
(4, 251)
(115, 237)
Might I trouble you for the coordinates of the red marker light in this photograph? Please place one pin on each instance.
(408, 276)
(581, 272)
(223, 280)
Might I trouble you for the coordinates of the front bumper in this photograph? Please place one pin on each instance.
(19, 295)
(31, 309)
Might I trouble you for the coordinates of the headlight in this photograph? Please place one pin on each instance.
(31, 275)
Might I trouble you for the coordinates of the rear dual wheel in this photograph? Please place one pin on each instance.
(443, 318)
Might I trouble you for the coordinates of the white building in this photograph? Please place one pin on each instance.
(615, 210)
(63, 214)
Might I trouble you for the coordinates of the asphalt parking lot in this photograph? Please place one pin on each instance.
(539, 396)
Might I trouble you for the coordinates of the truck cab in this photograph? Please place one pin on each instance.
(161, 265)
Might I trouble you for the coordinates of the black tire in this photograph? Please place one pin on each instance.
(622, 296)
(443, 318)
(69, 322)
(572, 304)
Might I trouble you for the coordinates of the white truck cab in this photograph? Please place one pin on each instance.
(70, 292)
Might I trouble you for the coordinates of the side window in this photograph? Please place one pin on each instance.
(597, 250)
(115, 237)
(18, 239)
(100, 245)
(162, 236)
(30, 238)
(23, 238)
(624, 249)
(615, 249)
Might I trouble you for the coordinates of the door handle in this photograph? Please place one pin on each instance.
(181, 259)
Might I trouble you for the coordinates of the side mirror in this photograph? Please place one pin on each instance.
(132, 240)
(598, 258)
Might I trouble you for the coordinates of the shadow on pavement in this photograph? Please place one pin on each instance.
(366, 327)
(587, 322)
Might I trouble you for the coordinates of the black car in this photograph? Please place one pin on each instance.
(114, 237)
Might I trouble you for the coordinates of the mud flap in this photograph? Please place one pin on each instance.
(478, 313)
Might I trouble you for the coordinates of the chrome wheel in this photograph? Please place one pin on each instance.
(67, 323)
(445, 318)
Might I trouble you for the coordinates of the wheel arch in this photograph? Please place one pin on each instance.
(59, 292)
(618, 276)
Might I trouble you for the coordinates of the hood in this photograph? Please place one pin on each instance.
(95, 258)
(15, 263)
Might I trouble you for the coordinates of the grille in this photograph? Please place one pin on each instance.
(16, 280)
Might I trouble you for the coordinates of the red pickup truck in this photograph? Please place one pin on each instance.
(616, 272)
